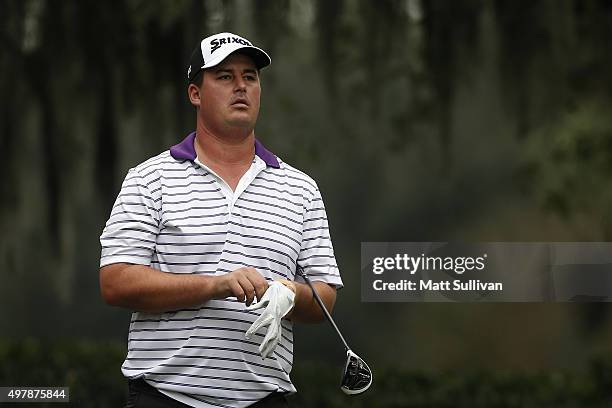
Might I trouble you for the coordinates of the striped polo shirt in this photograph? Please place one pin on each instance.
(176, 215)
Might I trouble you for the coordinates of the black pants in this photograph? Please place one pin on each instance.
(142, 395)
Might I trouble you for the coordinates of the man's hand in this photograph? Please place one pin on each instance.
(289, 284)
(244, 283)
(306, 309)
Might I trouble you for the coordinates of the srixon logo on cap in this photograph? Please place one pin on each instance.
(218, 42)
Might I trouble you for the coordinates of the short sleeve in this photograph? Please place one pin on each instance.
(131, 231)
(316, 256)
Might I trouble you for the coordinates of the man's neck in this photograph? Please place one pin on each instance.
(228, 150)
(229, 156)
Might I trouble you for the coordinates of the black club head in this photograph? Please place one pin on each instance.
(357, 376)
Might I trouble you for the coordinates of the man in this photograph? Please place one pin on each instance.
(202, 231)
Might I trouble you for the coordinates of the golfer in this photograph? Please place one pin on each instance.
(203, 243)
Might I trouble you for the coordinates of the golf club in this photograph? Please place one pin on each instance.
(356, 376)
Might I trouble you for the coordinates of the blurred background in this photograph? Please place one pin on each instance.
(472, 120)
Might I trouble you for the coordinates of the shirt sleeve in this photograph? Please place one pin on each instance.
(131, 231)
(316, 256)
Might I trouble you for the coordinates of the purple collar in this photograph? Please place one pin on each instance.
(186, 151)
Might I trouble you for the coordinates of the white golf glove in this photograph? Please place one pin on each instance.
(278, 301)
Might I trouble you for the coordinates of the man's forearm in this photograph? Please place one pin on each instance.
(306, 308)
(142, 288)
(145, 289)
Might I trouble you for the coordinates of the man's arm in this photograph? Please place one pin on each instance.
(145, 289)
(306, 309)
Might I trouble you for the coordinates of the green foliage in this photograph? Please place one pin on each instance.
(484, 389)
(92, 371)
(569, 159)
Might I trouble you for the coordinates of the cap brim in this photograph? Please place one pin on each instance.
(259, 56)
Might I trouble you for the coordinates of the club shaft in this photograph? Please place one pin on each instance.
(323, 308)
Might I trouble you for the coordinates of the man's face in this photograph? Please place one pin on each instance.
(229, 95)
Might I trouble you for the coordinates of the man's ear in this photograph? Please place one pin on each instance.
(194, 94)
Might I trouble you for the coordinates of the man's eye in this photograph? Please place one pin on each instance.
(225, 77)
(250, 77)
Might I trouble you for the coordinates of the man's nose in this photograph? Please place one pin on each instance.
(240, 84)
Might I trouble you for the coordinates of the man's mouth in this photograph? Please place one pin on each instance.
(240, 103)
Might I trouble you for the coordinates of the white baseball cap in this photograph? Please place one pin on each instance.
(214, 49)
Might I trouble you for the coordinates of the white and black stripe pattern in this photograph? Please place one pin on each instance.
(172, 215)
